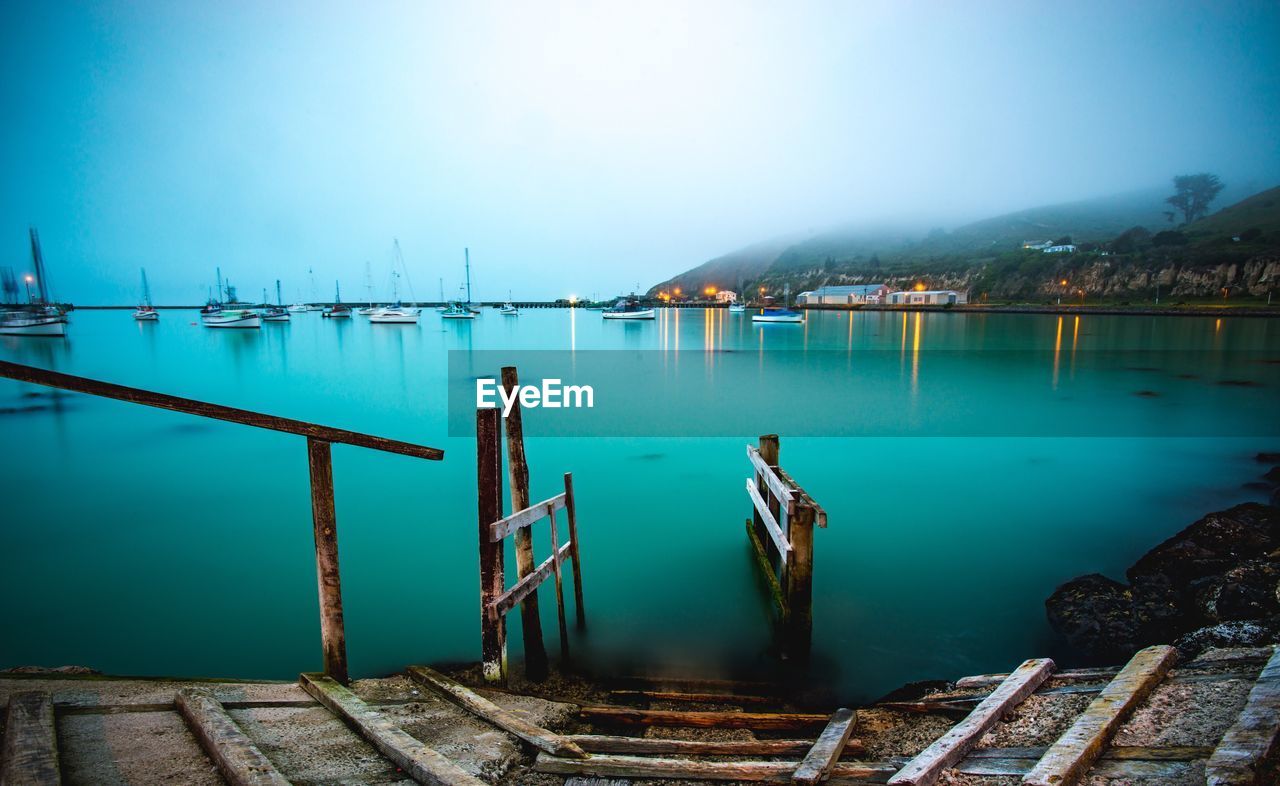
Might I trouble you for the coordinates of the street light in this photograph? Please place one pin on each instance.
(27, 279)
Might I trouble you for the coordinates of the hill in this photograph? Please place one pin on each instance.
(1126, 230)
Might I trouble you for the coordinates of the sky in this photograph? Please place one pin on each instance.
(584, 148)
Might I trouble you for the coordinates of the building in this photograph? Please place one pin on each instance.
(1037, 245)
(725, 296)
(1063, 249)
(928, 297)
(851, 295)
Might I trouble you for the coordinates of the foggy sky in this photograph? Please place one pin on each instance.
(585, 148)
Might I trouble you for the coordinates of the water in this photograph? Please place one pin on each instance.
(138, 541)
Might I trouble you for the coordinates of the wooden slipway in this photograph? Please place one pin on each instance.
(1152, 721)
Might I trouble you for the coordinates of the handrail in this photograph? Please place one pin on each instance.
(204, 409)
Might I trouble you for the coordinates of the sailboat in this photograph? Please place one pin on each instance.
(368, 287)
(396, 313)
(38, 317)
(276, 313)
(215, 315)
(146, 312)
(782, 315)
(443, 304)
(461, 308)
(313, 305)
(338, 310)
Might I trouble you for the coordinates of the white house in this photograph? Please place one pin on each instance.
(929, 297)
(1063, 249)
(725, 296)
(852, 295)
(1036, 244)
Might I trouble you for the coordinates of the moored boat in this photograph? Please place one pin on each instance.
(782, 315)
(737, 308)
(627, 308)
(338, 310)
(215, 316)
(276, 313)
(457, 311)
(145, 311)
(395, 315)
(48, 321)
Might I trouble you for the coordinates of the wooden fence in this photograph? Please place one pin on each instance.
(781, 535)
(495, 598)
(332, 629)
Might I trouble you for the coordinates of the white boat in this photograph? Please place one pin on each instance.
(215, 316)
(395, 315)
(627, 308)
(146, 312)
(297, 308)
(41, 321)
(509, 310)
(314, 307)
(781, 315)
(276, 313)
(737, 308)
(368, 310)
(457, 311)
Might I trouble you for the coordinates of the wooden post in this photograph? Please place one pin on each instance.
(572, 512)
(555, 566)
(798, 582)
(535, 654)
(493, 628)
(333, 637)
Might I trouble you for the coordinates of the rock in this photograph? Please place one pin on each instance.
(1266, 457)
(50, 670)
(1272, 476)
(1237, 633)
(1224, 568)
(1095, 614)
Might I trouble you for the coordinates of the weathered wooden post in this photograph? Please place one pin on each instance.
(535, 654)
(770, 448)
(555, 568)
(572, 513)
(797, 581)
(493, 627)
(333, 637)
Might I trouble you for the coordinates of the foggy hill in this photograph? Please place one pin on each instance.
(987, 254)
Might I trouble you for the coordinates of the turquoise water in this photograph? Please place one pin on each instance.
(138, 541)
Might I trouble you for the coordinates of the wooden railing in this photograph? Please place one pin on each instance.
(319, 438)
(781, 534)
(495, 598)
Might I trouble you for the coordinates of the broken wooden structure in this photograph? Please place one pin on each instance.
(333, 635)
(781, 535)
(495, 598)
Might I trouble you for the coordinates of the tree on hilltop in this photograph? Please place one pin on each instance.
(1192, 195)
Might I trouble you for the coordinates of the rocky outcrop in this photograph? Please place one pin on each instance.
(1215, 583)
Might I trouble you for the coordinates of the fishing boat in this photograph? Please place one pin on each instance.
(782, 315)
(508, 309)
(276, 313)
(38, 316)
(457, 310)
(737, 308)
(146, 312)
(297, 308)
(338, 310)
(217, 315)
(627, 308)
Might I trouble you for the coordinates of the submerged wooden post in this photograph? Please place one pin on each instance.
(493, 627)
(798, 581)
(555, 567)
(572, 513)
(535, 654)
(333, 637)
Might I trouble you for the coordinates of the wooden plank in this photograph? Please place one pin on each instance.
(555, 569)
(1068, 759)
(603, 743)
(605, 766)
(819, 761)
(488, 711)
(55, 379)
(1253, 737)
(30, 741)
(576, 550)
(525, 587)
(803, 498)
(535, 654)
(523, 518)
(765, 563)
(235, 755)
(420, 762)
(951, 747)
(1059, 677)
(780, 490)
(699, 719)
(1115, 753)
(699, 698)
(596, 782)
(766, 517)
(333, 636)
(493, 628)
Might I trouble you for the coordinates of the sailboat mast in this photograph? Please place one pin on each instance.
(279, 300)
(37, 259)
(219, 269)
(466, 252)
(146, 290)
(337, 293)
